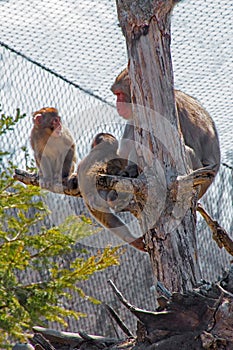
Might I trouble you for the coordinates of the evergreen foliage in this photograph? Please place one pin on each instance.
(27, 246)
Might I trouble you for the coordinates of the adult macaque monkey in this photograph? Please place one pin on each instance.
(198, 129)
(103, 158)
(53, 146)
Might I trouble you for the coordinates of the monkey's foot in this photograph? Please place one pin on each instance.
(139, 244)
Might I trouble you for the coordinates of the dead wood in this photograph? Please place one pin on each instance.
(137, 187)
(70, 189)
(168, 223)
(220, 236)
(182, 313)
(67, 340)
(200, 319)
(118, 320)
(195, 320)
(40, 342)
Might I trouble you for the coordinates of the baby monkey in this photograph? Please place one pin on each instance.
(53, 146)
(103, 158)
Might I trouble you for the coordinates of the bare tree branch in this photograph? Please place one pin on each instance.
(220, 235)
(119, 321)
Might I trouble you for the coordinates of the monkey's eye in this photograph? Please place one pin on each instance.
(57, 119)
(120, 97)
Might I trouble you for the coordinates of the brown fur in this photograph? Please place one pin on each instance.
(53, 146)
(95, 162)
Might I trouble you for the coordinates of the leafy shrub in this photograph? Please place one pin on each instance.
(27, 246)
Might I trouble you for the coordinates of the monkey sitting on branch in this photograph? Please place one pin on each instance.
(57, 159)
(198, 129)
(102, 159)
(53, 146)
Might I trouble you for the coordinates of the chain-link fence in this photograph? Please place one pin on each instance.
(67, 54)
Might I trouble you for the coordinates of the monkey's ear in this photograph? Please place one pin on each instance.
(38, 119)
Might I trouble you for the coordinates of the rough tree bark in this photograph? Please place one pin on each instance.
(170, 227)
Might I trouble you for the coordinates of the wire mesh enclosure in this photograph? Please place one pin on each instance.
(66, 54)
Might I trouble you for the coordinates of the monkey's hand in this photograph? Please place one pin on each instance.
(130, 171)
(71, 182)
(139, 244)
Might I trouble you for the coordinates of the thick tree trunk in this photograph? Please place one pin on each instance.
(168, 218)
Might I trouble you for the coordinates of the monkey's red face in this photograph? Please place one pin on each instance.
(56, 126)
(123, 107)
(50, 122)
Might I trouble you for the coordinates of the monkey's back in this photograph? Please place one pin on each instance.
(198, 129)
(93, 164)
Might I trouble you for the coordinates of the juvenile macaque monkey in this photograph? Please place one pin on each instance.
(198, 129)
(103, 158)
(53, 146)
